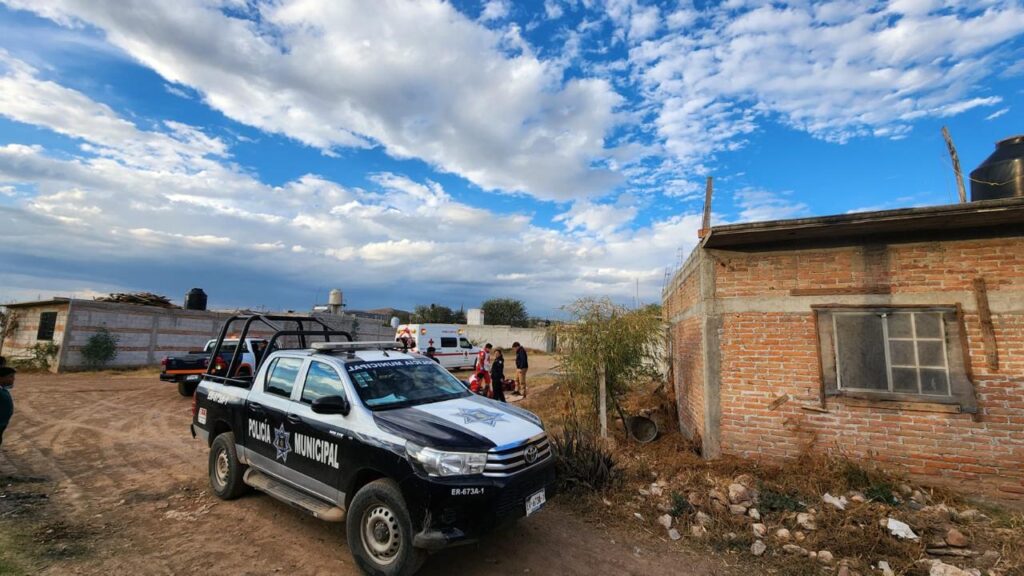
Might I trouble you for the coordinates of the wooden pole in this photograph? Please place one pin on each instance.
(603, 391)
(956, 165)
(706, 223)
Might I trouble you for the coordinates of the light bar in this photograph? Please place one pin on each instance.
(383, 344)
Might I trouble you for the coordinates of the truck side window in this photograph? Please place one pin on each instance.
(449, 343)
(463, 343)
(321, 380)
(281, 376)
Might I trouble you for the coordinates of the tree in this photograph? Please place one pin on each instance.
(505, 312)
(100, 349)
(433, 314)
(610, 342)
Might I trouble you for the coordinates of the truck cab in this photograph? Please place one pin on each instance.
(381, 438)
(453, 349)
(187, 369)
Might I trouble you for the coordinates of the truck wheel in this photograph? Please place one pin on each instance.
(225, 470)
(187, 388)
(380, 532)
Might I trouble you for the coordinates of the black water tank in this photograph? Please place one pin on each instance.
(1001, 175)
(195, 299)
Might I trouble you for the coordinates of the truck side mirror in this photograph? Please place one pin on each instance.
(331, 405)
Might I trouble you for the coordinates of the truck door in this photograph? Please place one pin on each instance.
(320, 440)
(269, 434)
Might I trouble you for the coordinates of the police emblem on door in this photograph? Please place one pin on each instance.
(530, 455)
(282, 441)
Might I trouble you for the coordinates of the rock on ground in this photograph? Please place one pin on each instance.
(783, 534)
(665, 520)
(806, 521)
(956, 538)
(940, 568)
(758, 548)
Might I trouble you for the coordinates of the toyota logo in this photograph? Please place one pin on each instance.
(530, 455)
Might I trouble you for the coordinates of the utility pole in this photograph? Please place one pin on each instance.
(705, 227)
(956, 165)
(603, 392)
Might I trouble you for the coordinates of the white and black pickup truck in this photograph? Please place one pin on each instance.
(385, 440)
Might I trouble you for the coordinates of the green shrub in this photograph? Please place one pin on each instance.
(582, 461)
(100, 349)
(778, 501)
(42, 353)
(680, 505)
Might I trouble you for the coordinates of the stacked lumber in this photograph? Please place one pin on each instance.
(139, 298)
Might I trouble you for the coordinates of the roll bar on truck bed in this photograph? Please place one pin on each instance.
(276, 322)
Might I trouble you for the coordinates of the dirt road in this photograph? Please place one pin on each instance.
(99, 475)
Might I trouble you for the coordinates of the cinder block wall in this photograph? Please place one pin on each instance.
(769, 348)
(504, 336)
(22, 337)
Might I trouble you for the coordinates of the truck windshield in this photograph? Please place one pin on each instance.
(387, 384)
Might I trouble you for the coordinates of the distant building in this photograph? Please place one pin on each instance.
(145, 333)
(475, 317)
(893, 336)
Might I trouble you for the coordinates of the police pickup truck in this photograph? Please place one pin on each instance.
(385, 440)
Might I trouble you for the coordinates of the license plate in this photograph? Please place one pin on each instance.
(535, 502)
(192, 378)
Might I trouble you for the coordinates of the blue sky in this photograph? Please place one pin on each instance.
(422, 152)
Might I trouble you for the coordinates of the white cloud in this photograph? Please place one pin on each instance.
(553, 9)
(109, 206)
(494, 10)
(758, 205)
(997, 114)
(418, 79)
(837, 70)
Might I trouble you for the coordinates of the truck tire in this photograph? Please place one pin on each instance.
(225, 470)
(187, 388)
(379, 531)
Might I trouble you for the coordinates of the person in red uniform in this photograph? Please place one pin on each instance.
(483, 360)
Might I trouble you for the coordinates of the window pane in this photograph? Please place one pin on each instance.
(321, 380)
(901, 352)
(463, 343)
(899, 326)
(927, 324)
(449, 343)
(934, 382)
(282, 376)
(904, 380)
(860, 352)
(47, 325)
(929, 353)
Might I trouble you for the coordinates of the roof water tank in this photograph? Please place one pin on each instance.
(195, 299)
(1001, 175)
(334, 298)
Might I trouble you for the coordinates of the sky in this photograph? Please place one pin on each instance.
(450, 152)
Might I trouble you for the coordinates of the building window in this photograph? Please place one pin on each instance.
(47, 325)
(913, 354)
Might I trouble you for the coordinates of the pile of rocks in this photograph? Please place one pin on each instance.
(943, 531)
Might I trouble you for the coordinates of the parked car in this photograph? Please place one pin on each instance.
(187, 370)
(383, 439)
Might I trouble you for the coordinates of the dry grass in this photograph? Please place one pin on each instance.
(785, 489)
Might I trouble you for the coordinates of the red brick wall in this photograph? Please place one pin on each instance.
(687, 351)
(766, 354)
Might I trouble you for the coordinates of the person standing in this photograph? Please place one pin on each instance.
(6, 401)
(483, 359)
(522, 365)
(432, 354)
(498, 375)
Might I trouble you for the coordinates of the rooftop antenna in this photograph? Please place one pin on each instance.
(956, 165)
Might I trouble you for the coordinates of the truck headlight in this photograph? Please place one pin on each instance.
(440, 463)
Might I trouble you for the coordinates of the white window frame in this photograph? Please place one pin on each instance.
(887, 348)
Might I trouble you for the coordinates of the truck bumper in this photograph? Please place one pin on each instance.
(460, 511)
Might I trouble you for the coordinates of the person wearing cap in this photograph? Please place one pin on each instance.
(6, 401)
(432, 354)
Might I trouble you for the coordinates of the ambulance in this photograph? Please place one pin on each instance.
(451, 346)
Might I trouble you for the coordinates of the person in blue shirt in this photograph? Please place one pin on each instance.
(6, 401)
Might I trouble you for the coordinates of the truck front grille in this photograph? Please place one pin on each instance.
(510, 461)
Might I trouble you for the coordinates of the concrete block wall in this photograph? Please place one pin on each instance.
(504, 336)
(19, 341)
(769, 349)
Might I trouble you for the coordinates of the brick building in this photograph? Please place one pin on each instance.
(894, 336)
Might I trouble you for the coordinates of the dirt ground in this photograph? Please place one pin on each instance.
(99, 475)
